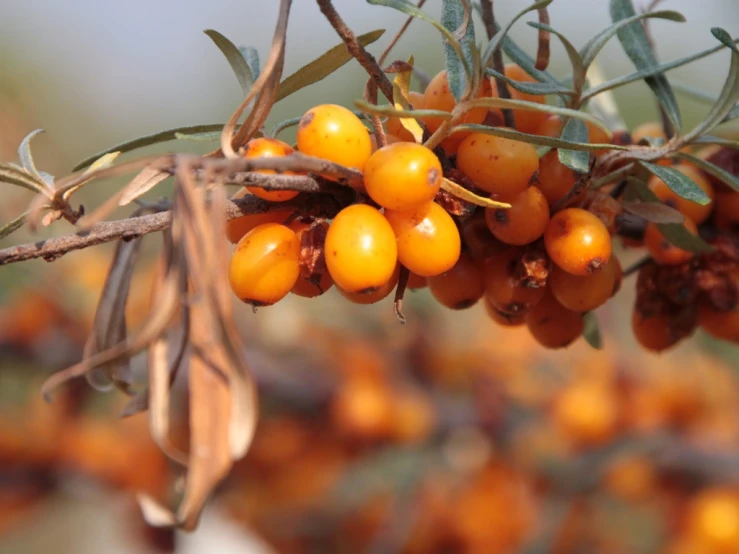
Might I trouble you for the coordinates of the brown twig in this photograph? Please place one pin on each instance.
(488, 18)
(399, 293)
(399, 34)
(134, 227)
(365, 59)
(542, 50)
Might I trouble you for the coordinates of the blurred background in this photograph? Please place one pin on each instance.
(449, 434)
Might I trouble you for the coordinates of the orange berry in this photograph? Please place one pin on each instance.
(497, 165)
(390, 139)
(334, 133)
(362, 408)
(584, 293)
(526, 121)
(308, 289)
(237, 228)
(265, 147)
(713, 520)
(375, 295)
(438, 96)
(428, 239)
(554, 179)
(477, 238)
(460, 287)
(524, 221)
(577, 241)
(552, 325)
(502, 318)
(652, 333)
(502, 286)
(393, 124)
(265, 264)
(360, 249)
(552, 127)
(662, 250)
(402, 176)
(721, 325)
(587, 412)
(416, 282)
(691, 210)
(413, 417)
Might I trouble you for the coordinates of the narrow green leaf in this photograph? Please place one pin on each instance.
(533, 139)
(235, 59)
(495, 102)
(676, 233)
(596, 44)
(591, 330)
(458, 71)
(725, 38)
(251, 55)
(719, 173)
(650, 71)
(728, 97)
(13, 226)
(199, 137)
(24, 154)
(708, 139)
(542, 89)
(634, 40)
(578, 68)
(519, 56)
(656, 212)
(16, 175)
(680, 236)
(694, 92)
(370, 108)
(322, 66)
(679, 183)
(577, 160)
(500, 35)
(148, 140)
(733, 114)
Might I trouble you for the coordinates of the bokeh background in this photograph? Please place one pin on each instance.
(494, 427)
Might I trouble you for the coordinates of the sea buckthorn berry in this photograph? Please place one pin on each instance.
(712, 521)
(502, 318)
(390, 139)
(402, 176)
(502, 287)
(587, 412)
(237, 228)
(413, 417)
(526, 121)
(334, 133)
(552, 325)
(362, 407)
(460, 287)
(375, 295)
(524, 221)
(265, 147)
(584, 293)
(726, 210)
(554, 179)
(395, 127)
(652, 332)
(692, 210)
(265, 264)
(662, 250)
(721, 325)
(307, 288)
(552, 127)
(477, 238)
(360, 249)
(650, 129)
(497, 165)
(438, 96)
(416, 281)
(577, 241)
(428, 239)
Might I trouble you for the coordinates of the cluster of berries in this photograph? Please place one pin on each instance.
(543, 262)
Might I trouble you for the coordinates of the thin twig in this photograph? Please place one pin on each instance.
(488, 18)
(134, 227)
(399, 34)
(542, 50)
(636, 266)
(365, 59)
(399, 293)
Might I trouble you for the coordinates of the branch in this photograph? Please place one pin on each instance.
(320, 205)
(365, 59)
(488, 17)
